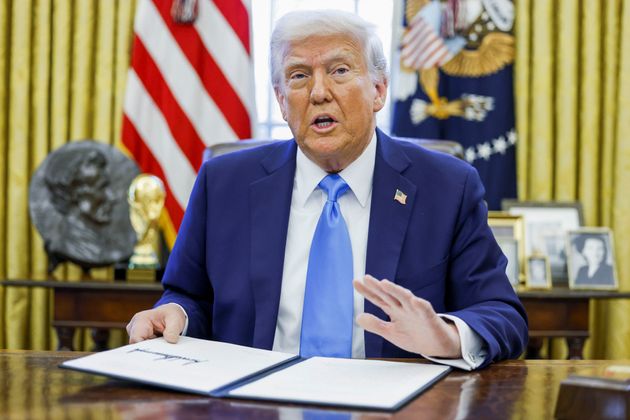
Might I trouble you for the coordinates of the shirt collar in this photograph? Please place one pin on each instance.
(358, 175)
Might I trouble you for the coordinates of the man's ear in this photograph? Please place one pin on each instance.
(381, 95)
(281, 101)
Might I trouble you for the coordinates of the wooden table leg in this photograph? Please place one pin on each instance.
(65, 336)
(533, 348)
(100, 337)
(576, 345)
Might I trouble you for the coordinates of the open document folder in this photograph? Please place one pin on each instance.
(227, 370)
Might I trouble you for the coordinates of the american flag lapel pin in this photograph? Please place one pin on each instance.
(401, 197)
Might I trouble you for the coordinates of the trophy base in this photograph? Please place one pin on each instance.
(141, 275)
(138, 274)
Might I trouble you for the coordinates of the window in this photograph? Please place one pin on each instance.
(265, 13)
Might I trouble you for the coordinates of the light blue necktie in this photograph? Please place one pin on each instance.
(328, 298)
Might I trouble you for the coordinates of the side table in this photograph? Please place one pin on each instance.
(561, 313)
(93, 304)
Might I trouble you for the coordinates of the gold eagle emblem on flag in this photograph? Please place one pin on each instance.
(463, 38)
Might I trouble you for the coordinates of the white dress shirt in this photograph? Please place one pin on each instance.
(307, 203)
(306, 206)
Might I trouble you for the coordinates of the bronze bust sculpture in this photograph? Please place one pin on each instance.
(78, 204)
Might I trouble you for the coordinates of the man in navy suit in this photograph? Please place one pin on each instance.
(238, 271)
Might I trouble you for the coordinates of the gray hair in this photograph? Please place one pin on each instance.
(296, 26)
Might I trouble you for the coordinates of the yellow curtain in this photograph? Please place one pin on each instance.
(63, 67)
(572, 83)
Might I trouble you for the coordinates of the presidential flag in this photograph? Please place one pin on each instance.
(455, 83)
(190, 85)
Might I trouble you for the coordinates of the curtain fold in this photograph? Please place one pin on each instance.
(4, 95)
(40, 123)
(63, 67)
(566, 99)
(573, 119)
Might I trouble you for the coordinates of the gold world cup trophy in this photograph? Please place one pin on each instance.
(146, 201)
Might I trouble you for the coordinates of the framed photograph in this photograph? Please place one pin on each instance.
(591, 259)
(509, 246)
(546, 225)
(509, 233)
(538, 272)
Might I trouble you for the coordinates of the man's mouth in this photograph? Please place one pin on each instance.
(323, 122)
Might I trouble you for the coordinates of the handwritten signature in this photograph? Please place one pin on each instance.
(166, 356)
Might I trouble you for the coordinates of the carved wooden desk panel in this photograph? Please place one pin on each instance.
(32, 386)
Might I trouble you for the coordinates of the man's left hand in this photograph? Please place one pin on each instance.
(414, 326)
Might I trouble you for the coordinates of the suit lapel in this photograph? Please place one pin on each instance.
(270, 199)
(389, 219)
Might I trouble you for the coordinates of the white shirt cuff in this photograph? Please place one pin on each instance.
(185, 315)
(473, 349)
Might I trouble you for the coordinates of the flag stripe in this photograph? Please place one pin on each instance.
(184, 133)
(419, 28)
(416, 56)
(181, 77)
(134, 143)
(440, 57)
(418, 43)
(213, 79)
(424, 38)
(237, 16)
(227, 51)
(425, 55)
(154, 130)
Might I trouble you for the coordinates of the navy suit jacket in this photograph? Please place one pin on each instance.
(226, 266)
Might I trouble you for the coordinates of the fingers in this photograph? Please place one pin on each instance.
(166, 320)
(140, 328)
(385, 294)
(174, 321)
(408, 300)
(374, 325)
(369, 294)
(378, 287)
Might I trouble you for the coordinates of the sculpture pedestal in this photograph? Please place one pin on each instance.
(138, 274)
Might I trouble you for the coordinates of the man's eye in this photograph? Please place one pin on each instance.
(341, 70)
(297, 76)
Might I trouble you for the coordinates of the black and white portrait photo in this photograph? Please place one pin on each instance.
(591, 259)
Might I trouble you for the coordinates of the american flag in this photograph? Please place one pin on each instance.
(190, 85)
(422, 45)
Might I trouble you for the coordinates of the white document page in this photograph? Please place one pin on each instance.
(350, 382)
(191, 364)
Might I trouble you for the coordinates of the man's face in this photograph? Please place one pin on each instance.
(593, 251)
(329, 99)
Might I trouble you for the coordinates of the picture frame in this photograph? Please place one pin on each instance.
(509, 233)
(591, 259)
(545, 228)
(538, 272)
(510, 248)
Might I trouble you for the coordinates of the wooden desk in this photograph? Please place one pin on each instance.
(561, 313)
(31, 386)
